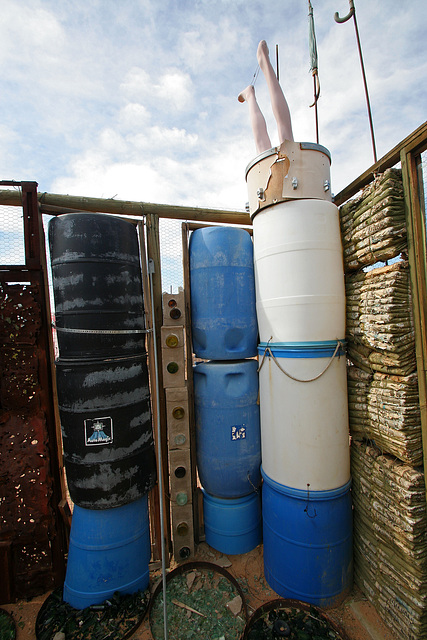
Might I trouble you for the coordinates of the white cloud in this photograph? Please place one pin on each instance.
(161, 139)
(31, 34)
(172, 88)
(175, 88)
(133, 116)
(136, 84)
(211, 177)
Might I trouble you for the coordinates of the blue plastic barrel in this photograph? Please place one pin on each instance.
(109, 551)
(228, 441)
(232, 525)
(308, 544)
(223, 313)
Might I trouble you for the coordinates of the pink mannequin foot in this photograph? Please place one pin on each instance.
(244, 95)
(262, 54)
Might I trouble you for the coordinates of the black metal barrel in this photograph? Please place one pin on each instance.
(104, 408)
(97, 285)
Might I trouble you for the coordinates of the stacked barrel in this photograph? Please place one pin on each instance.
(300, 299)
(224, 332)
(104, 403)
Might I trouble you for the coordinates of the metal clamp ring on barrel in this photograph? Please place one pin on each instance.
(103, 331)
(267, 349)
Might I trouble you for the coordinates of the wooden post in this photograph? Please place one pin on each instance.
(153, 502)
(50, 399)
(416, 229)
(153, 253)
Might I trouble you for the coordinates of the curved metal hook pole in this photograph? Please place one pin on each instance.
(337, 18)
(347, 17)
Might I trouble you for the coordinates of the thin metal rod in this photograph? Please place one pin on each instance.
(340, 20)
(159, 454)
(371, 125)
(277, 62)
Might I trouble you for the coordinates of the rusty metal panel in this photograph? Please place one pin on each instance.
(24, 474)
(32, 532)
(25, 479)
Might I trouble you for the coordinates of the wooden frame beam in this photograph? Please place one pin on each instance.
(55, 203)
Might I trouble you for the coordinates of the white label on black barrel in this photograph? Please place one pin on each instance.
(98, 431)
(238, 432)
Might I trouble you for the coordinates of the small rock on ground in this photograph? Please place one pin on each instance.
(235, 605)
(223, 561)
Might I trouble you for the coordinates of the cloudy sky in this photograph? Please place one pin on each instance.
(137, 99)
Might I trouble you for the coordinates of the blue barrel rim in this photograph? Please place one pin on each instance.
(303, 349)
(306, 344)
(301, 494)
(244, 362)
(229, 535)
(100, 596)
(222, 501)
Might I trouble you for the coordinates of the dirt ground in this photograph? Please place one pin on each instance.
(355, 615)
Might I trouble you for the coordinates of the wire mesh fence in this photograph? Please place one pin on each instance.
(12, 248)
(171, 255)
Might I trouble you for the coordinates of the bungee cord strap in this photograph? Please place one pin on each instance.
(270, 353)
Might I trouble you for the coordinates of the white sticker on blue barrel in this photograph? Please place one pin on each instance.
(238, 432)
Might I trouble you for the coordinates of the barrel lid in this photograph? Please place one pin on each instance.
(304, 146)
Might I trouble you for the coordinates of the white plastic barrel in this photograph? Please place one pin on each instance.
(304, 425)
(299, 274)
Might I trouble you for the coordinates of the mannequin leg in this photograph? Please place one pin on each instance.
(259, 127)
(278, 101)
